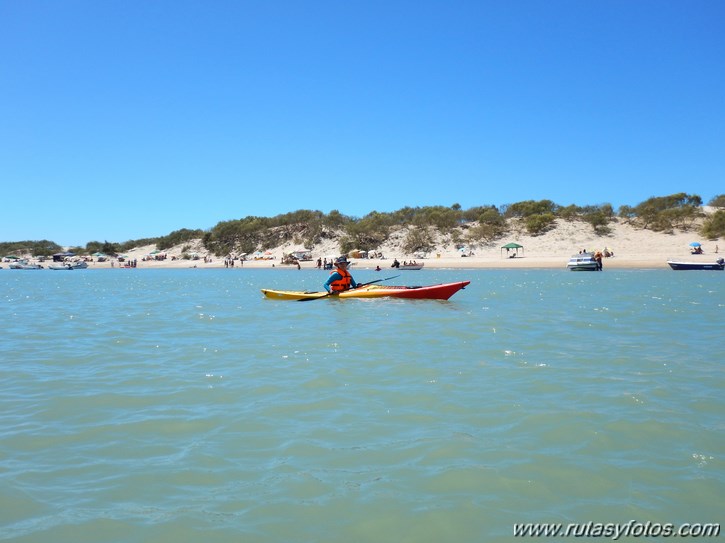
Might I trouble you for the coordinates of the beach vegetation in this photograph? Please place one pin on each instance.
(177, 237)
(473, 214)
(367, 233)
(105, 247)
(627, 213)
(421, 239)
(41, 247)
(130, 244)
(717, 201)
(250, 234)
(713, 226)
(665, 213)
(490, 226)
(112, 248)
(416, 227)
(599, 216)
(538, 217)
(335, 219)
(539, 224)
(569, 213)
(443, 218)
(530, 208)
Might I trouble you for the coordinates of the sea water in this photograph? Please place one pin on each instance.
(180, 405)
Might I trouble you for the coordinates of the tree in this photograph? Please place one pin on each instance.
(717, 201)
(335, 219)
(528, 208)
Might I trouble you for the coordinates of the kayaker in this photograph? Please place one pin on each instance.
(340, 280)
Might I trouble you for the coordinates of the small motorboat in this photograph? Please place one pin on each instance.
(718, 264)
(583, 262)
(78, 265)
(407, 265)
(23, 264)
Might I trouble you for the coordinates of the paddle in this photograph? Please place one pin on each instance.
(376, 281)
(358, 286)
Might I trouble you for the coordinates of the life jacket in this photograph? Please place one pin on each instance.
(341, 284)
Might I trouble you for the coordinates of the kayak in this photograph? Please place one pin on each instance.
(430, 292)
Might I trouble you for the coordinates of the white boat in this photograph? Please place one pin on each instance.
(78, 265)
(583, 262)
(407, 265)
(23, 264)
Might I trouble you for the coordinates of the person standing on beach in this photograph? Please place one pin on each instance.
(340, 280)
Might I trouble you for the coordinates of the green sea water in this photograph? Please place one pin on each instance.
(180, 405)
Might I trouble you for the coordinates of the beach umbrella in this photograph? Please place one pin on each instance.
(695, 244)
(12, 257)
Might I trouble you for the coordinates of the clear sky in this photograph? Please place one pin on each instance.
(125, 119)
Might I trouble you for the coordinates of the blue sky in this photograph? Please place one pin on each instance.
(129, 119)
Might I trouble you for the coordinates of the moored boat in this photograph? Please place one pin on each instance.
(583, 262)
(78, 265)
(429, 292)
(412, 265)
(23, 264)
(718, 264)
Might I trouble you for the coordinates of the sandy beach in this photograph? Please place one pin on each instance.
(632, 247)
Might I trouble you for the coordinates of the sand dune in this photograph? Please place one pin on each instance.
(632, 247)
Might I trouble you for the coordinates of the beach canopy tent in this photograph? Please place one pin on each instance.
(60, 257)
(515, 247)
(11, 257)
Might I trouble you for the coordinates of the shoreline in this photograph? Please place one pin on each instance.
(462, 263)
(633, 248)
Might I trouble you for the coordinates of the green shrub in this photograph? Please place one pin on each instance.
(34, 248)
(714, 226)
(664, 213)
(418, 239)
(537, 225)
(491, 225)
